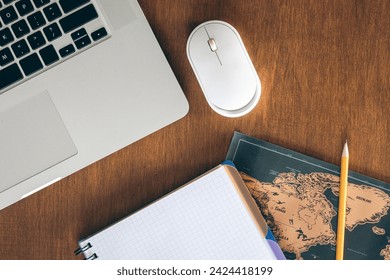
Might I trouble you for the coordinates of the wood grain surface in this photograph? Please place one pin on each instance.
(325, 73)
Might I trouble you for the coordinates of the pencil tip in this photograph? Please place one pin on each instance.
(345, 150)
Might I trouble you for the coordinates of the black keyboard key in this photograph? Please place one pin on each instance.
(6, 57)
(68, 50)
(24, 7)
(7, 1)
(40, 3)
(78, 18)
(52, 12)
(20, 48)
(69, 5)
(83, 42)
(31, 64)
(36, 20)
(98, 34)
(6, 37)
(36, 40)
(10, 75)
(52, 32)
(78, 34)
(8, 15)
(20, 28)
(49, 55)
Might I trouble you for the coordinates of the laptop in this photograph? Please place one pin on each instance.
(79, 80)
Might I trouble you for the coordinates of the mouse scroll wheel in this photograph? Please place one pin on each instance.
(212, 44)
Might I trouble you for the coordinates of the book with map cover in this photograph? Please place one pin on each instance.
(298, 196)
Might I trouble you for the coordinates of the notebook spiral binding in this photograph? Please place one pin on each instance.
(85, 248)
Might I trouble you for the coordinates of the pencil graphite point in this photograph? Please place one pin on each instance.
(345, 150)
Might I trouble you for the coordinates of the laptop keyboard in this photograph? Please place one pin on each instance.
(36, 35)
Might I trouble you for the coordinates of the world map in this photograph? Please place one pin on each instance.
(300, 214)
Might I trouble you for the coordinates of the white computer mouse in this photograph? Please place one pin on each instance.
(223, 68)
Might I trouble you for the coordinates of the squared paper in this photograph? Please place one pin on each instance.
(206, 219)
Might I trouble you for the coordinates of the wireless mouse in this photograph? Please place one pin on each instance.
(223, 68)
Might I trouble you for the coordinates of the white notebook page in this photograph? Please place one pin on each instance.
(204, 220)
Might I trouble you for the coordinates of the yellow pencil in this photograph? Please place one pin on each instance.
(342, 204)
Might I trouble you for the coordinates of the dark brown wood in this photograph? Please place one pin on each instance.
(325, 73)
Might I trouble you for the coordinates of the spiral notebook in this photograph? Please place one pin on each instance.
(212, 217)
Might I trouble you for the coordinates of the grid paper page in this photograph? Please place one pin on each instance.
(204, 220)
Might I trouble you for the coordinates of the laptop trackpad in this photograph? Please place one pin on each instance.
(33, 138)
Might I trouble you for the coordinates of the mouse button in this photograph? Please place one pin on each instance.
(203, 60)
(198, 49)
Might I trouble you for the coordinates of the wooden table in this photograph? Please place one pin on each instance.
(325, 73)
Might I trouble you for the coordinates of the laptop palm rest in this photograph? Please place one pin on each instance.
(33, 138)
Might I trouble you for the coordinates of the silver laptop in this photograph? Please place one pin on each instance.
(79, 79)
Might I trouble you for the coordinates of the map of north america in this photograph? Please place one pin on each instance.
(299, 213)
